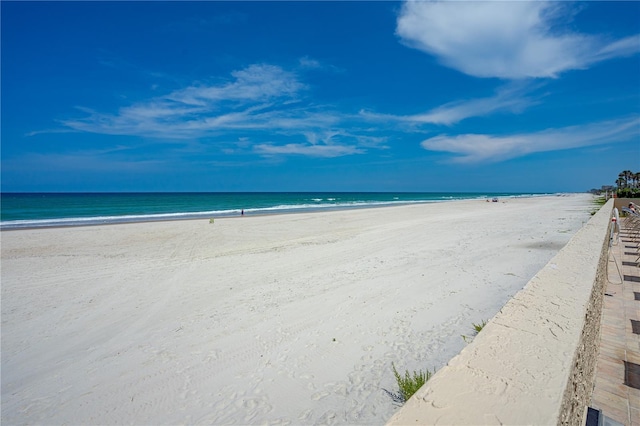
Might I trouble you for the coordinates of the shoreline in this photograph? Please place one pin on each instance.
(197, 216)
(114, 220)
(285, 318)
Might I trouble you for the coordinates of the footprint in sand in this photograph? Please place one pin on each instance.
(306, 416)
(320, 395)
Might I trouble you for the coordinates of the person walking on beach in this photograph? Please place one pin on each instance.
(242, 212)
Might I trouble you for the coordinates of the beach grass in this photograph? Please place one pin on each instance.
(408, 384)
(478, 327)
(599, 202)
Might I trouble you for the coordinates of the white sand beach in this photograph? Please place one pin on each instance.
(284, 319)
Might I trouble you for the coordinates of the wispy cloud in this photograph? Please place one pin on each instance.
(325, 144)
(309, 150)
(308, 63)
(198, 110)
(258, 98)
(513, 98)
(477, 148)
(510, 99)
(510, 40)
(256, 83)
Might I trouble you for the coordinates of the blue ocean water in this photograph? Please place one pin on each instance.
(28, 210)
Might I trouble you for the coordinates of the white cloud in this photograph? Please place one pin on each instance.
(329, 143)
(258, 97)
(512, 98)
(307, 62)
(256, 83)
(476, 148)
(309, 150)
(504, 39)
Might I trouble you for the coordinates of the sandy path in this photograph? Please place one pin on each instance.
(290, 319)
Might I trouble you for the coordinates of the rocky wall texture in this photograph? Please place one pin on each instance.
(580, 386)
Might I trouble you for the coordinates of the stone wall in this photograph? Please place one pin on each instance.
(534, 362)
(578, 391)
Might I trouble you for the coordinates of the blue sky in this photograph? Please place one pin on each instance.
(313, 96)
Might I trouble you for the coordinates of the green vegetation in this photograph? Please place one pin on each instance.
(477, 328)
(628, 193)
(408, 384)
(600, 201)
(628, 184)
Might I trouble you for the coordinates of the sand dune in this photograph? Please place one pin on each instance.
(287, 319)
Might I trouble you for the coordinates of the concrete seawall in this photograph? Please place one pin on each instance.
(534, 362)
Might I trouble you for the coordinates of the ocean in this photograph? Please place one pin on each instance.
(32, 210)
